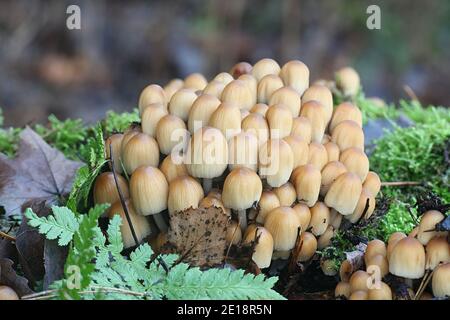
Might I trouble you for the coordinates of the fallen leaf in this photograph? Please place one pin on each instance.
(39, 172)
(54, 259)
(9, 277)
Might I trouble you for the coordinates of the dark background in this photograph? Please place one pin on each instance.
(124, 45)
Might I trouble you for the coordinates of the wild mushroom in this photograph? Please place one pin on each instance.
(286, 193)
(375, 247)
(308, 247)
(303, 214)
(114, 142)
(214, 89)
(243, 151)
(342, 290)
(365, 199)
(317, 115)
(151, 94)
(267, 86)
(407, 259)
(7, 293)
(279, 118)
(172, 169)
(172, 87)
(320, 218)
(171, 132)
(234, 233)
(348, 134)
(184, 193)
(302, 127)
(256, 124)
(195, 81)
(241, 68)
(307, 184)
(238, 93)
(372, 183)
(296, 75)
(317, 155)
(333, 151)
(262, 255)
(224, 77)
(288, 97)
(201, 111)
(226, 118)
(283, 224)
(335, 219)
(441, 281)
(105, 189)
(347, 79)
(344, 193)
(380, 292)
(330, 173)
(325, 239)
(260, 108)
(437, 251)
(129, 133)
(150, 118)
(275, 162)
(252, 84)
(141, 150)
(181, 103)
(345, 111)
(359, 281)
(300, 149)
(265, 67)
(392, 242)
(377, 263)
(322, 95)
(211, 201)
(427, 225)
(356, 161)
(267, 202)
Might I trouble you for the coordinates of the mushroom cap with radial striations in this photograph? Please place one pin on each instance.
(300, 149)
(262, 255)
(243, 151)
(195, 81)
(286, 193)
(170, 132)
(323, 95)
(224, 77)
(307, 184)
(251, 228)
(256, 124)
(8, 294)
(335, 219)
(304, 215)
(440, 282)
(333, 151)
(348, 134)
(114, 142)
(316, 113)
(288, 97)
(383, 292)
(238, 93)
(251, 83)
(172, 169)
(279, 118)
(241, 68)
(346, 270)
(105, 189)
(302, 127)
(372, 183)
(342, 290)
(437, 251)
(325, 238)
(361, 206)
(129, 133)
(377, 264)
(320, 218)
(172, 87)
(226, 118)
(344, 193)
(207, 153)
(241, 189)
(308, 247)
(211, 201)
(296, 75)
(356, 161)
(148, 190)
(267, 202)
(141, 150)
(260, 108)
(152, 94)
(329, 173)
(283, 224)
(275, 162)
(267, 86)
(359, 295)
(265, 67)
(140, 223)
(392, 242)
(184, 192)
(427, 224)
(407, 259)
(233, 233)
(347, 79)
(150, 118)
(181, 103)
(317, 155)
(244, 113)
(345, 111)
(359, 281)
(202, 109)
(375, 247)
(214, 88)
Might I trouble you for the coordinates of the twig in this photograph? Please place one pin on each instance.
(410, 92)
(7, 236)
(400, 183)
(48, 294)
(423, 284)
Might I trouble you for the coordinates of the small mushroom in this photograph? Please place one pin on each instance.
(286, 194)
(342, 290)
(317, 115)
(114, 142)
(333, 151)
(427, 225)
(200, 113)
(437, 251)
(344, 193)
(325, 239)
(289, 97)
(296, 75)
(172, 169)
(347, 79)
(348, 134)
(243, 151)
(320, 218)
(267, 86)
(251, 83)
(181, 103)
(372, 183)
(233, 234)
(171, 132)
(283, 224)
(224, 77)
(359, 281)
(440, 282)
(275, 162)
(265, 67)
(214, 89)
(172, 87)
(256, 124)
(226, 118)
(241, 68)
(105, 189)
(195, 81)
(237, 92)
(345, 111)
(7, 293)
(304, 215)
(380, 292)
(360, 209)
(279, 118)
(267, 202)
(262, 255)
(151, 94)
(150, 118)
(308, 247)
(141, 150)
(392, 242)
(317, 155)
(330, 173)
(184, 193)
(322, 95)
(356, 161)
(260, 108)
(306, 180)
(375, 247)
(302, 127)
(407, 259)
(379, 262)
(300, 149)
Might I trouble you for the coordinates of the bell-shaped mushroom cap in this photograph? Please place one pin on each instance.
(283, 224)
(316, 113)
(251, 228)
(359, 295)
(307, 184)
(308, 247)
(114, 142)
(364, 199)
(184, 192)
(346, 270)
(265, 67)
(201, 111)
(276, 162)
(171, 132)
(243, 151)
(441, 281)
(224, 77)
(407, 259)
(279, 118)
(241, 189)
(172, 87)
(330, 173)
(377, 265)
(427, 224)
(286, 193)
(302, 127)
(296, 75)
(321, 94)
(342, 290)
(233, 234)
(380, 292)
(241, 68)
(212, 201)
(226, 118)
(149, 190)
(392, 242)
(348, 134)
(320, 218)
(215, 193)
(152, 94)
(214, 88)
(345, 111)
(141, 150)
(262, 255)
(251, 83)
(300, 149)
(437, 251)
(359, 281)
(356, 161)
(372, 183)
(256, 124)
(344, 193)
(317, 155)
(237, 92)
(129, 133)
(325, 239)
(105, 190)
(288, 97)
(347, 79)
(150, 118)
(267, 86)
(335, 219)
(267, 202)
(195, 81)
(303, 214)
(207, 153)
(260, 108)
(8, 294)
(172, 169)
(333, 151)
(181, 103)
(375, 247)
(140, 223)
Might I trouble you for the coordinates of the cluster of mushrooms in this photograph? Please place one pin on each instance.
(423, 254)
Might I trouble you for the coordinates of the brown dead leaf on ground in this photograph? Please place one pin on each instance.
(9, 277)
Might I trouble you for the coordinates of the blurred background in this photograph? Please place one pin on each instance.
(125, 45)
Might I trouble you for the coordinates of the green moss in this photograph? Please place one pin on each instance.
(119, 122)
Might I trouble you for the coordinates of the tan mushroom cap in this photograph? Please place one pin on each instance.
(241, 189)
(150, 118)
(114, 142)
(356, 161)
(345, 111)
(238, 93)
(348, 134)
(195, 81)
(256, 124)
(392, 242)
(320, 218)
(304, 215)
(380, 292)
(211, 201)
(267, 86)
(200, 113)
(184, 192)
(224, 77)
(300, 149)
(342, 290)
(377, 264)
(335, 219)
(226, 118)
(251, 83)
(267, 202)
(129, 133)
(307, 180)
(325, 239)
(105, 189)
(172, 87)
(7, 293)
(372, 183)
(283, 224)
(308, 247)
(302, 127)
(359, 281)
(275, 162)
(286, 194)
(233, 234)
(289, 97)
(262, 255)
(317, 115)
(441, 281)
(333, 151)
(141, 150)
(375, 247)
(260, 108)
(151, 94)
(437, 251)
(357, 214)
(296, 75)
(407, 259)
(344, 193)
(347, 79)
(214, 88)
(265, 67)
(172, 168)
(317, 155)
(279, 119)
(321, 94)
(243, 151)
(428, 223)
(171, 131)
(241, 68)
(181, 103)
(330, 173)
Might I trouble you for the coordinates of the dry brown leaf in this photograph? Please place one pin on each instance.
(9, 277)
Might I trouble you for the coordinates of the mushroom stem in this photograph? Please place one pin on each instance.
(400, 183)
(207, 185)
(242, 216)
(160, 222)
